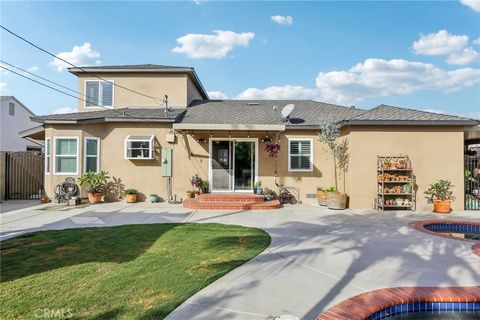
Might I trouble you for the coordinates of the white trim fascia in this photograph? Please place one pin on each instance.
(85, 152)
(231, 127)
(55, 155)
(311, 155)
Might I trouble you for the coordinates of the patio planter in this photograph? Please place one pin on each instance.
(197, 194)
(443, 207)
(95, 197)
(131, 198)
(322, 198)
(336, 201)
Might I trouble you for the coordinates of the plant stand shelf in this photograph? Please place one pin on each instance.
(395, 183)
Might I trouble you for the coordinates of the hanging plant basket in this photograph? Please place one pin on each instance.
(273, 149)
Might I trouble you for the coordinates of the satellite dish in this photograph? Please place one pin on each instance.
(287, 110)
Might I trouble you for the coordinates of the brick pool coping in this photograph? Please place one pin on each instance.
(420, 226)
(365, 304)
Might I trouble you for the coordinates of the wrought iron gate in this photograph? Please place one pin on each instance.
(472, 182)
(24, 175)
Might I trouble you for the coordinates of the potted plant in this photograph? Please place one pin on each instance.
(258, 187)
(441, 194)
(95, 183)
(190, 194)
(330, 134)
(273, 149)
(196, 182)
(205, 185)
(407, 188)
(322, 196)
(131, 195)
(269, 194)
(154, 198)
(387, 163)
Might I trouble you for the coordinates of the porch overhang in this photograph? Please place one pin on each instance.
(37, 133)
(229, 127)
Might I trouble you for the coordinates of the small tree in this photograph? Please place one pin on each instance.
(329, 134)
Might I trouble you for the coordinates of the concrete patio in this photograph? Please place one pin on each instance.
(317, 257)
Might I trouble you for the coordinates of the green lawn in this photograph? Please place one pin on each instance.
(126, 272)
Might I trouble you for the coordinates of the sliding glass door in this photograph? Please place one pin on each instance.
(233, 165)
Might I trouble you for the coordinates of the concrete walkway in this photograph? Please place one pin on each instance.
(317, 257)
(12, 205)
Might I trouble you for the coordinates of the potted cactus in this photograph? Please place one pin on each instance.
(269, 194)
(441, 195)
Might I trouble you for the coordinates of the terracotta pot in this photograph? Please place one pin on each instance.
(443, 207)
(322, 198)
(197, 194)
(95, 197)
(337, 201)
(131, 198)
(44, 199)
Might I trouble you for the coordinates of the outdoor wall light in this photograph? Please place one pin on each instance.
(201, 140)
(267, 139)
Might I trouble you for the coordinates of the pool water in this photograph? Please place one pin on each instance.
(455, 230)
(435, 315)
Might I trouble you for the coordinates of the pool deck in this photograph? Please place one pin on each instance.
(317, 258)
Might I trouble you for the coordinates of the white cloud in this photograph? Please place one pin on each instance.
(64, 110)
(33, 69)
(445, 43)
(216, 46)
(280, 92)
(476, 42)
(472, 4)
(217, 95)
(3, 87)
(440, 43)
(282, 20)
(198, 2)
(372, 78)
(82, 55)
(466, 56)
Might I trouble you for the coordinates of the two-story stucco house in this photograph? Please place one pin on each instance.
(16, 117)
(140, 142)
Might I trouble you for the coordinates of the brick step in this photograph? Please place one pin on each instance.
(225, 197)
(229, 205)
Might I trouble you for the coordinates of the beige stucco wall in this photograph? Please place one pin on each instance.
(175, 85)
(435, 152)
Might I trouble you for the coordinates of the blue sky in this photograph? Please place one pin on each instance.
(423, 55)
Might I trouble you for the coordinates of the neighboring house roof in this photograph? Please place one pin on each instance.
(384, 114)
(2, 98)
(307, 113)
(131, 114)
(143, 68)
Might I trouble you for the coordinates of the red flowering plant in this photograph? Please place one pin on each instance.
(273, 149)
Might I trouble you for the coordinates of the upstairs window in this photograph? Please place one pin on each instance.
(139, 147)
(300, 155)
(11, 108)
(98, 93)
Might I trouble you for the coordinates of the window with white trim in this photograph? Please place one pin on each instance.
(98, 93)
(66, 155)
(139, 147)
(47, 155)
(92, 154)
(300, 154)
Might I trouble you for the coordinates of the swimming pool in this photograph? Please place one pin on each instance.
(456, 230)
(430, 310)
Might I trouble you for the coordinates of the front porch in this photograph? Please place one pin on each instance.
(230, 201)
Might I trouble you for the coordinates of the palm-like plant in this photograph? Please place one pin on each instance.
(95, 182)
(441, 190)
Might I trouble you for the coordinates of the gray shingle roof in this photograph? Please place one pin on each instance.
(122, 114)
(385, 113)
(306, 112)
